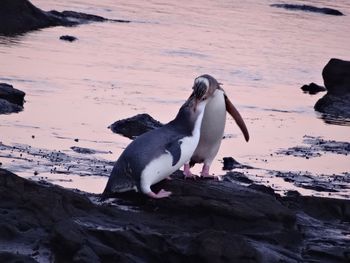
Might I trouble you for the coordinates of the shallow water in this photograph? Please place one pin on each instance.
(261, 54)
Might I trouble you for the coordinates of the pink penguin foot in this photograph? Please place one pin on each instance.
(205, 173)
(161, 194)
(187, 172)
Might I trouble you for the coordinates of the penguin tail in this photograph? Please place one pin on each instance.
(119, 181)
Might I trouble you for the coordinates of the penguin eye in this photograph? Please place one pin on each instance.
(204, 98)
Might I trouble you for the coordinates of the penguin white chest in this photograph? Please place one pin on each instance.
(212, 129)
(161, 167)
(214, 119)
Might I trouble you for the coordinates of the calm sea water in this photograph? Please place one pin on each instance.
(261, 54)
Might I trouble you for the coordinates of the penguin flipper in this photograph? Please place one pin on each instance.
(175, 150)
(237, 117)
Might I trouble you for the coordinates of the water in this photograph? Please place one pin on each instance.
(261, 54)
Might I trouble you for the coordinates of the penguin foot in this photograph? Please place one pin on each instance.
(205, 171)
(161, 194)
(211, 176)
(189, 175)
(187, 172)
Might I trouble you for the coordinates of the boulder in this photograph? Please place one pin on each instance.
(336, 76)
(20, 16)
(11, 99)
(135, 126)
(11, 94)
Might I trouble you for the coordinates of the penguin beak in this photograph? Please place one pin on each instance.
(237, 117)
(195, 102)
(196, 99)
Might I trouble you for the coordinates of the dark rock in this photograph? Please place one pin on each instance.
(309, 8)
(11, 99)
(83, 17)
(20, 16)
(230, 163)
(334, 106)
(68, 38)
(313, 88)
(11, 94)
(8, 107)
(262, 188)
(135, 126)
(78, 16)
(203, 221)
(83, 150)
(15, 258)
(316, 146)
(293, 193)
(336, 76)
(238, 177)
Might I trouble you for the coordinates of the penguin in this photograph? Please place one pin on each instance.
(213, 124)
(155, 155)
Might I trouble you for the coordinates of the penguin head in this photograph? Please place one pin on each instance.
(195, 104)
(206, 84)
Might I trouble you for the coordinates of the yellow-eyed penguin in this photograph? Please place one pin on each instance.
(155, 155)
(213, 124)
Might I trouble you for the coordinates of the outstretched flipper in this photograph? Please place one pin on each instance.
(237, 117)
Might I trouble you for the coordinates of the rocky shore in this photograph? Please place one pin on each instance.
(204, 220)
(20, 16)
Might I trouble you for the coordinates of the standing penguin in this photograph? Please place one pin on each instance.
(155, 155)
(213, 124)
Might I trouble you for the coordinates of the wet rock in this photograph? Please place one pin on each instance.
(262, 188)
(15, 258)
(319, 183)
(20, 16)
(230, 163)
(11, 94)
(135, 126)
(310, 8)
(8, 107)
(238, 177)
(203, 221)
(68, 38)
(83, 150)
(313, 88)
(316, 146)
(336, 76)
(11, 99)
